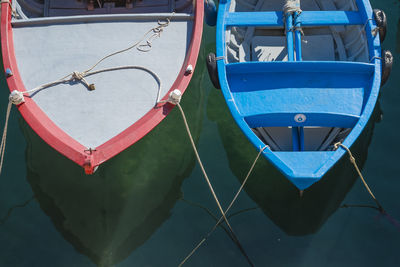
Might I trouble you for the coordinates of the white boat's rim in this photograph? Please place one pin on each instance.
(102, 18)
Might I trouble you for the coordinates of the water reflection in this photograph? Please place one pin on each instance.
(108, 215)
(275, 195)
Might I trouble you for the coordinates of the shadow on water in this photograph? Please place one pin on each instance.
(106, 216)
(275, 195)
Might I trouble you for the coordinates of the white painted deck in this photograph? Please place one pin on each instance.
(48, 52)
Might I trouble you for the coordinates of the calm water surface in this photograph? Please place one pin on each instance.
(150, 206)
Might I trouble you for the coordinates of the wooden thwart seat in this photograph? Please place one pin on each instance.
(269, 94)
(306, 18)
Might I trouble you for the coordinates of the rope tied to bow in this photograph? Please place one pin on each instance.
(291, 7)
(13, 11)
(353, 161)
(174, 99)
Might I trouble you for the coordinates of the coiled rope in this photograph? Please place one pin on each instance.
(353, 161)
(80, 76)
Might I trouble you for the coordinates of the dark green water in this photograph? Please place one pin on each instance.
(142, 208)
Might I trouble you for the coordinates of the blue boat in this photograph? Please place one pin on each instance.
(300, 76)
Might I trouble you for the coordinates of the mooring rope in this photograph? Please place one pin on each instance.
(215, 217)
(211, 187)
(174, 99)
(353, 161)
(379, 207)
(227, 209)
(13, 11)
(4, 136)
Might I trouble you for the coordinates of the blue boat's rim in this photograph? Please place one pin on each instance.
(304, 181)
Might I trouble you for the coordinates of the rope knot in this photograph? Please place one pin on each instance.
(80, 76)
(158, 30)
(291, 7)
(16, 97)
(352, 160)
(76, 75)
(175, 97)
(336, 145)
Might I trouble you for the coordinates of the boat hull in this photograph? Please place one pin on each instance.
(91, 157)
(107, 215)
(276, 196)
(296, 94)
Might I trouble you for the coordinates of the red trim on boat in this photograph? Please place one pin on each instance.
(62, 142)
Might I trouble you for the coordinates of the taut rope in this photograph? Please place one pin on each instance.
(353, 161)
(227, 209)
(174, 99)
(379, 207)
(4, 136)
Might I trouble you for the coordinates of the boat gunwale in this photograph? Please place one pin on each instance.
(90, 158)
(374, 49)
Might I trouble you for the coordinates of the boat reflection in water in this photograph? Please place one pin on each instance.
(278, 198)
(107, 215)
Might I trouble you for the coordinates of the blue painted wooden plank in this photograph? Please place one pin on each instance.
(254, 19)
(304, 66)
(313, 119)
(291, 52)
(289, 38)
(259, 76)
(298, 45)
(297, 132)
(321, 18)
(306, 18)
(298, 100)
(297, 38)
